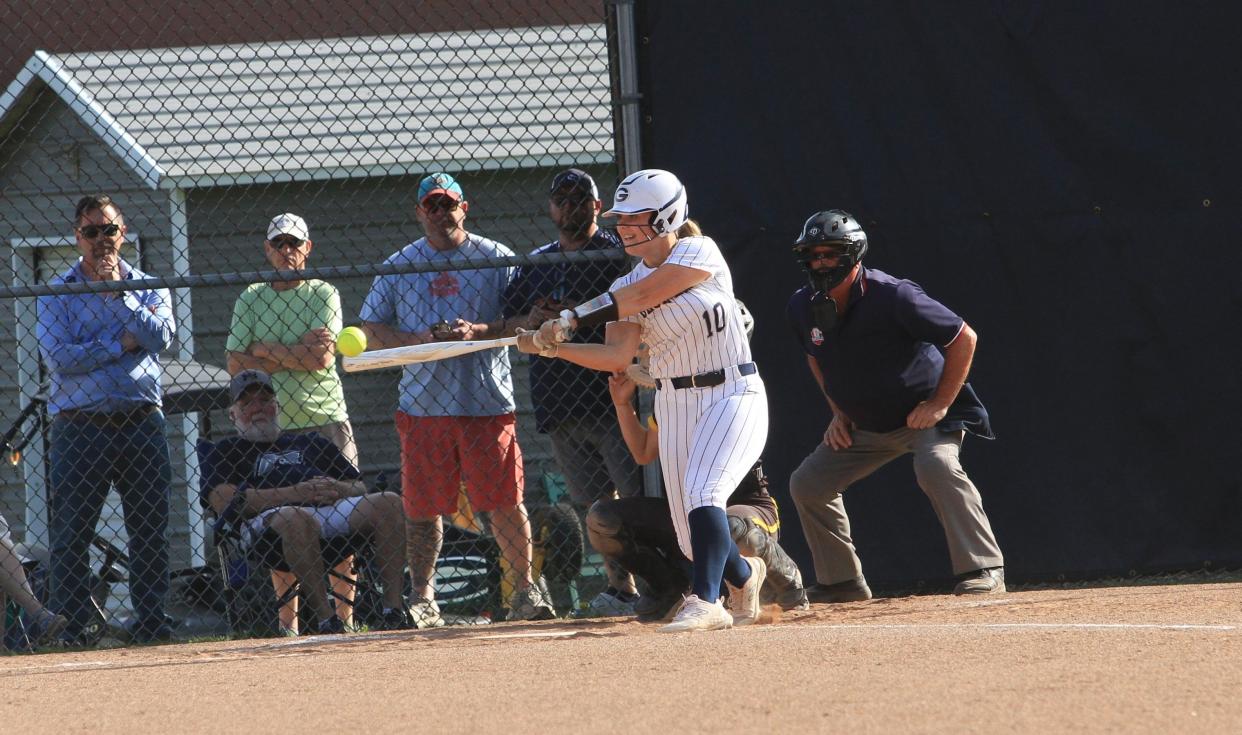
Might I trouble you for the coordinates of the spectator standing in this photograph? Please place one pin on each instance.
(455, 417)
(288, 330)
(571, 402)
(107, 427)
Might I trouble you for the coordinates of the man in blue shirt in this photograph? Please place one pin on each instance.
(571, 403)
(455, 418)
(107, 428)
(892, 363)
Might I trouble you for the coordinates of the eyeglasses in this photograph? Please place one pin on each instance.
(90, 232)
(440, 204)
(281, 243)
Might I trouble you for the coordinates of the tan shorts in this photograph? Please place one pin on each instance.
(340, 433)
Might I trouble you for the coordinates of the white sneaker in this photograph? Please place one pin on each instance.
(425, 614)
(697, 614)
(744, 600)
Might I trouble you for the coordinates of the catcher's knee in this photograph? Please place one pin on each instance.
(604, 529)
(750, 539)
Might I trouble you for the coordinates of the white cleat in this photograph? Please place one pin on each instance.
(697, 614)
(744, 600)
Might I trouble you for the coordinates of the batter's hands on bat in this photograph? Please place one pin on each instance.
(532, 343)
(555, 331)
(622, 389)
(526, 342)
(840, 432)
(926, 415)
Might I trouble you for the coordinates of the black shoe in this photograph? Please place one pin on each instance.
(982, 582)
(654, 607)
(331, 626)
(851, 590)
(793, 598)
(140, 632)
(396, 619)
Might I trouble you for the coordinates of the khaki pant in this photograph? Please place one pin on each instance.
(816, 487)
(340, 433)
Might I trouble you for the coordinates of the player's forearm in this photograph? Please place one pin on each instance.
(635, 436)
(661, 285)
(606, 358)
(958, 357)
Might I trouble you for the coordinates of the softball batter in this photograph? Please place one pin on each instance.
(710, 402)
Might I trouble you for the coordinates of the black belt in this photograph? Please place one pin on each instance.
(113, 420)
(706, 380)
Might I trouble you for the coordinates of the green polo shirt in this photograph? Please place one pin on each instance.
(263, 314)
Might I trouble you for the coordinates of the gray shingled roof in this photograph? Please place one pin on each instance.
(341, 108)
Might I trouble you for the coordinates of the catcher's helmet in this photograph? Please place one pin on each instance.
(748, 321)
(834, 228)
(652, 190)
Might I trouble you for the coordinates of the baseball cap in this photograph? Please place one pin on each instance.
(287, 224)
(575, 180)
(439, 183)
(245, 379)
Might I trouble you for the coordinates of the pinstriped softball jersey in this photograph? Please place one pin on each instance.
(709, 437)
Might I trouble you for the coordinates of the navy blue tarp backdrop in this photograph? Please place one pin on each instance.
(1066, 176)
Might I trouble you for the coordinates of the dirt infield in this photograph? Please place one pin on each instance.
(1110, 659)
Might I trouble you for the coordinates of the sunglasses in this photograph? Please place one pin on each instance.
(90, 232)
(281, 243)
(440, 204)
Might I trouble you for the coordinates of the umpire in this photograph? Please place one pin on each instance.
(892, 363)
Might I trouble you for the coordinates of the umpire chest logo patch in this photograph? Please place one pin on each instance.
(817, 337)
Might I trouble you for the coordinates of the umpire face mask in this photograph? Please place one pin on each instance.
(826, 267)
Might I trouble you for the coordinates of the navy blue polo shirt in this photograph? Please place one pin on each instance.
(884, 355)
(559, 388)
(291, 459)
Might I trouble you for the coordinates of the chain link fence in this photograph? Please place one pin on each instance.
(262, 177)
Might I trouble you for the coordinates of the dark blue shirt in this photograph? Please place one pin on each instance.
(291, 459)
(884, 355)
(559, 388)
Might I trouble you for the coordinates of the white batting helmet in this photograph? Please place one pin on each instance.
(652, 190)
(748, 321)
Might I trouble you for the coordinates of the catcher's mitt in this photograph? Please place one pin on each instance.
(640, 375)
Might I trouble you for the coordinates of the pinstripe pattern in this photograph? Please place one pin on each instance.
(709, 437)
(676, 331)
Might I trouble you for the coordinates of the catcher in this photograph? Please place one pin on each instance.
(637, 533)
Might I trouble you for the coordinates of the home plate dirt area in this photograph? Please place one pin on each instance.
(1135, 658)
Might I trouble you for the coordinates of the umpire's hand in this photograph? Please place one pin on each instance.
(839, 433)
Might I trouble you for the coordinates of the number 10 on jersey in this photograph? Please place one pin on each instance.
(714, 318)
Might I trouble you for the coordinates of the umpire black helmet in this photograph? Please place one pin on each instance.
(833, 228)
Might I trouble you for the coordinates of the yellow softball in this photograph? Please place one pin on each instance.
(351, 342)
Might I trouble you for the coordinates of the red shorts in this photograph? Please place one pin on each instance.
(440, 453)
